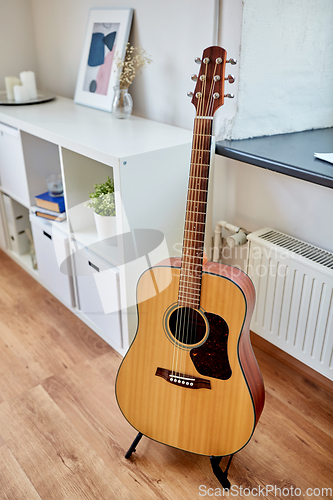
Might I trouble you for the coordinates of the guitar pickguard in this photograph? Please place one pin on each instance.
(211, 358)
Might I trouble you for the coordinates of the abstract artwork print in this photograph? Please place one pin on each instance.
(100, 58)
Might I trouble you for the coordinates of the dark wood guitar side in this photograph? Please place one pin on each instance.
(190, 378)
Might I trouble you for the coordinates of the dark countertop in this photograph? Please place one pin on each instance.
(291, 154)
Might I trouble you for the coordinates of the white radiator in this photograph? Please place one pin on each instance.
(294, 303)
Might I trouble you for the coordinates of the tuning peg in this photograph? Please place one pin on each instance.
(194, 78)
(230, 78)
(190, 94)
(232, 61)
(229, 96)
(197, 60)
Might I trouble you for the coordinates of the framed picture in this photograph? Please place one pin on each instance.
(107, 35)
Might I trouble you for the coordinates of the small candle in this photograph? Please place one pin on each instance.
(29, 81)
(21, 93)
(10, 81)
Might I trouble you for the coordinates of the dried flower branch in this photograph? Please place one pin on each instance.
(136, 58)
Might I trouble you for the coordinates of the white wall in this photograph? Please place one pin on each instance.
(253, 197)
(285, 83)
(173, 32)
(286, 67)
(17, 50)
(284, 47)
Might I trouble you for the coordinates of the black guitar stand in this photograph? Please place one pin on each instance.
(132, 448)
(221, 475)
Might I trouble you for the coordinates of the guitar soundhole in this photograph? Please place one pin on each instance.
(187, 325)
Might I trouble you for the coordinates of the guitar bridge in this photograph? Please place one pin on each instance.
(183, 380)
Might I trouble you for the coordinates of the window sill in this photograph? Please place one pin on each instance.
(290, 154)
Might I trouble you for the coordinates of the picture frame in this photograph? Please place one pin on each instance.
(107, 34)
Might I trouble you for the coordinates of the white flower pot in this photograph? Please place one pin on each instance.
(106, 226)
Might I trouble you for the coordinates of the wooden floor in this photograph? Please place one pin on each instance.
(63, 437)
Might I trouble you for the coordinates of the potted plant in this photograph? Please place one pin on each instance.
(102, 200)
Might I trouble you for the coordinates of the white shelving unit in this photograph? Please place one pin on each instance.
(149, 163)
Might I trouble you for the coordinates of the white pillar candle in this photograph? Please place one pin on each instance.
(10, 81)
(21, 93)
(28, 80)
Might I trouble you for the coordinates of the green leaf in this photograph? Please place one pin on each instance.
(102, 200)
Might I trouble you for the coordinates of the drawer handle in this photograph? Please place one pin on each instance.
(48, 235)
(93, 266)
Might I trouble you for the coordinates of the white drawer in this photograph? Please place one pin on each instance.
(12, 169)
(8, 130)
(52, 249)
(98, 292)
(3, 242)
(17, 218)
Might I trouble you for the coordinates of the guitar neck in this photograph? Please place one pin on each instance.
(195, 218)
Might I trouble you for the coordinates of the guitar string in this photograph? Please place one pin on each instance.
(187, 252)
(196, 253)
(200, 145)
(205, 124)
(190, 264)
(207, 138)
(185, 279)
(195, 197)
(210, 104)
(196, 168)
(181, 308)
(181, 313)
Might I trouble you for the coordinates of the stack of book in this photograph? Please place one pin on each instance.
(50, 207)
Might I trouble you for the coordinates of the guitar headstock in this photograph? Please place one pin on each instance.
(209, 91)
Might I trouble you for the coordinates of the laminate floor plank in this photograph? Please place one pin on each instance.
(85, 393)
(15, 377)
(62, 435)
(74, 331)
(14, 484)
(297, 392)
(38, 335)
(31, 301)
(55, 458)
(265, 460)
(2, 441)
(284, 441)
(42, 355)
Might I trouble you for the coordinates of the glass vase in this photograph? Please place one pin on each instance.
(122, 103)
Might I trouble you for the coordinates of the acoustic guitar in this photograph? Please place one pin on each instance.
(190, 379)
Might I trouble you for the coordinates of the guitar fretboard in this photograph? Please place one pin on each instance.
(195, 218)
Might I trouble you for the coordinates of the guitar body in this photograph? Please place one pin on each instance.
(202, 395)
